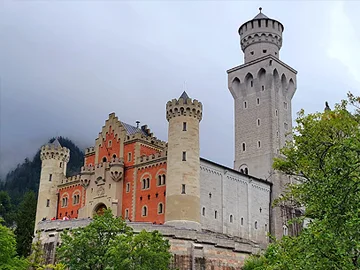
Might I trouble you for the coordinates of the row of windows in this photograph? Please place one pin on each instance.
(145, 183)
(104, 159)
(149, 196)
(145, 212)
(258, 103)
(231, 218)
(76, 200)
(244, 145)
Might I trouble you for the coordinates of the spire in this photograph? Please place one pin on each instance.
(260, 15)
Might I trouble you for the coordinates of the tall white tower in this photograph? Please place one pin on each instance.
(183, 163)
(54, 159)
(262, 89)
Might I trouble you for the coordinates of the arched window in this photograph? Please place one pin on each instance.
(203, 211)
(143, 183)
(231, 218)
(64, 202)
(109, 143)
(256, 225)
(144, 211)
(246, 171)
(160, 208)
(60, 164)
(285, 230)
(126, 213)
(147, 183)
(159, 180)
(104, 159)
(114, 156)
(163, 179)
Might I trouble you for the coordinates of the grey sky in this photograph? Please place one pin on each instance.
(65, 65)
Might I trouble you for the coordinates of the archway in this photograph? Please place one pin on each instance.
(99, 209)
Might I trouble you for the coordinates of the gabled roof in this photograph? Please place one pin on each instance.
(130, 130)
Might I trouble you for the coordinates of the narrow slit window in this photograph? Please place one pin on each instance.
(126, 213)
(50, 177)
(258, 101)
(245, 104)
(129, 156)
(258, 122)
(215, 214)
(244, 147)
(203, 211)
(259, 144)
(60, 164)
(184, 126)
(262, 87)
(231, 219)
(47, 203)
(183, 156)
(242, 221)
(252, 83)
(183, 191)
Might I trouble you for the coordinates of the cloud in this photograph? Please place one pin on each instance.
(344, 42)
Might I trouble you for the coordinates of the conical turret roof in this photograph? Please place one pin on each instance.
(184, 95)
(261, 16)
(56, 143)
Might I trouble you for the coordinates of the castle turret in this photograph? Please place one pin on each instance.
(260, 36)
(54, 159)
(183, 163)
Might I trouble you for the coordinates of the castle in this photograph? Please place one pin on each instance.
(167, 185)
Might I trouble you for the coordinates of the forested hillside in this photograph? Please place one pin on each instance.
(26, 176)
(18, 194)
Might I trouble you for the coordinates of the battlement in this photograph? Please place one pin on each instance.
(151, 158)
(116, 162)
(150, 139)
(89, 151)
(51, 151)
(184, 106)
(71, 179)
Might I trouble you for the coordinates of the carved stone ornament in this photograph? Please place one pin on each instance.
(101, 191)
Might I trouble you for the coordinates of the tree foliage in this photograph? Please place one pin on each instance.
(325, 156)
(25, 222)
(8, 258)
(108, 243)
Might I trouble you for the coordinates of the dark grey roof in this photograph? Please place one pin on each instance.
(55, 143)
(132, 130)
(260, 16)
(184, 95)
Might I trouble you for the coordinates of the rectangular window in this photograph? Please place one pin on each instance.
(183, 189)
(184, 156)
(285, 106)
(50, 177)
(129, 156)
(184, 126)
(47, 203)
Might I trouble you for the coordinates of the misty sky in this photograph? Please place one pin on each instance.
(65, 65)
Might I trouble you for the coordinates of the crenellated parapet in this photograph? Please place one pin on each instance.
(89, 151)
(152, 158)
(71, 179)
(51, 151)
(184, 106)
(150, 139)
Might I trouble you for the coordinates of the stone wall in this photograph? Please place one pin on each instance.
(203, 250)
(233, 203)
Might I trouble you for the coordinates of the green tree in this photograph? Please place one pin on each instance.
(108, 243)
(325, 156)
(6, 209)
(25, 221)
(8, 258)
